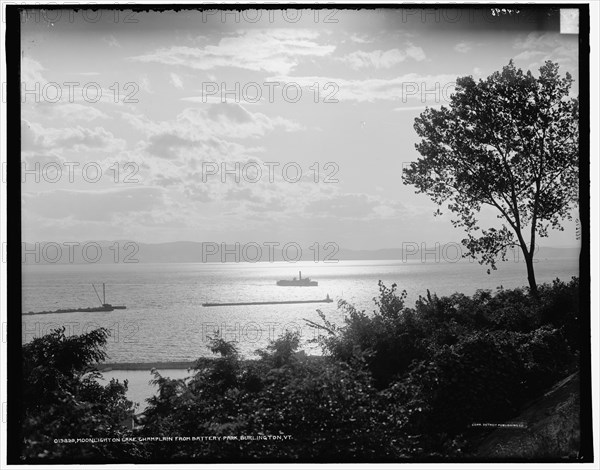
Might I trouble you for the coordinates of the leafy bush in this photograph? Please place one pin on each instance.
(547, 357)
(388, 341)
(455, 360)
(394, 336)
(398, 384)
(327, 409)
(559, 306)
(63, 400)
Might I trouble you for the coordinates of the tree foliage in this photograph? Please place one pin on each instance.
(64, 400)
(510, 142)
(327, 409)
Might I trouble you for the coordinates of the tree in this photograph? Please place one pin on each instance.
(510, 142)
(63, 400)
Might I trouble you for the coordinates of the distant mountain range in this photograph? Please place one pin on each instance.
(128, 252)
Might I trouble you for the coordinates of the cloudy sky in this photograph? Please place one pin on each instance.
(160, 103)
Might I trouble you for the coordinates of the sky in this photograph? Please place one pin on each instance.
(268, 126)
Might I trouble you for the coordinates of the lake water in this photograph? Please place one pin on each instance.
(165, 321)
(139, 386)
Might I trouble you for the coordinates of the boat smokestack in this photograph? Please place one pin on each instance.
(300, 274)
(103, 293)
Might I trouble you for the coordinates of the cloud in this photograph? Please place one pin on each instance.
(411, 108)
(561, 48)
(39, 89)
(383, 59)
(92, 205)
(166, 144)
(144, 84)
(463, 47)
(234, 121)
(430, 89)
(360, 38)
(477, 72)
(358, 206)
(243, 194)
(111, 41)
(230, 191)
(353, 206)
(175, 80)
(528, 55)
(197, 192)
(77, 137)
(223, 98)
(31, 72)
(70, 111)
(171, 153)
(537, 40)
(273, 50)
(36, 137)
(212, 125)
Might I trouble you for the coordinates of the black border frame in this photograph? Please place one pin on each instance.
(14, 234)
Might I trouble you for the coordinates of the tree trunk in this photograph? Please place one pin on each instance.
(531, 274)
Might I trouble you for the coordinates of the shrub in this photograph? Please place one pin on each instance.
(330, 411)
(400, 383)
(389, 340)
(62, 399)
(455, 360)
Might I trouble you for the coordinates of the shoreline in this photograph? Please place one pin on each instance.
(147, 366)
(109, 366)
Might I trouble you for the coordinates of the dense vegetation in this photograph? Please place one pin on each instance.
(398, 383)
(62, 399)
